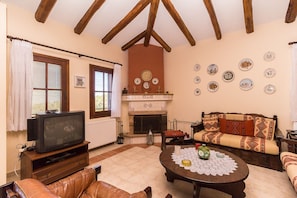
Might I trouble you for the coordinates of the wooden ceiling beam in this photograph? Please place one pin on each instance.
(248, 16)
(291, 12)
(126, 20)
(161, 41)
(213, 18)
(151, 21)
(178, 20)
(44, 9)
(87, 16)
(134, 40)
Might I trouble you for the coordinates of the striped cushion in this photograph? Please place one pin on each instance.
(289, 162)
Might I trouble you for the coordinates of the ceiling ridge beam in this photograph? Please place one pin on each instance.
(291, 12)
(44, 9)
(134, 40)
(248, 16)
(151, 21)
(87, 16)
(161, 41)
(178, 20)
(126, 20)
(213, 18)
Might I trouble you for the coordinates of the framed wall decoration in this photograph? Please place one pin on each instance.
(196, 67)
(269, 72)
(269, 56)
(213, 86)
(79, 81)
(269, 89)
(197, 92)
(197, 80)
(246, 84)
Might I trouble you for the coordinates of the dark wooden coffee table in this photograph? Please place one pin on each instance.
(232, 184)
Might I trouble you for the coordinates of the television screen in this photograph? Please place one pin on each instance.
(59, 130)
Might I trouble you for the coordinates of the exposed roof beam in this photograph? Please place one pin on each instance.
(178, 20)
(134, 40)
(213, 18)
(87, 16)
(248, 16)
(126, 20)
(291, 12)
(151, 21)
(43, 10)
(161, 41)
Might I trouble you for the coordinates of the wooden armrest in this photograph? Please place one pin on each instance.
(278, 134)
(197, 127)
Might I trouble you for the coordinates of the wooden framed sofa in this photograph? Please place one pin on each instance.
(253, 137)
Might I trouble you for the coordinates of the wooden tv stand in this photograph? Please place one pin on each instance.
(52, 166)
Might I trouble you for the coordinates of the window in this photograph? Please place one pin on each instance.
(100, 91)
(50, 84)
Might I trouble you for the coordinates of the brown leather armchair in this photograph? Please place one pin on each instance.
(82, 184)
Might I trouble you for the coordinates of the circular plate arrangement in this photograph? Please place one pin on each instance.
(155, 81)
(246, 84)
(197, 92)
(137, 81)
(213, 86)
(212, 69)
(269, 72)
(228, 76)
(269, 89)
(246, 64)
(146, 75)
(269, 56)
(197, 80)
(196, 67)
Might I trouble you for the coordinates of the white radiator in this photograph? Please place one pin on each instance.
(101, 132)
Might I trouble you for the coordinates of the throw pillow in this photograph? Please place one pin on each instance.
(237, 127)
(264, 128)
(211, 124)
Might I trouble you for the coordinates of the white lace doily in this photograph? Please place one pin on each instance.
(217, 164)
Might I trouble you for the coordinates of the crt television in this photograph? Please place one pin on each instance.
(53, 131)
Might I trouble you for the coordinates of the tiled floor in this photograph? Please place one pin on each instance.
(133, 167)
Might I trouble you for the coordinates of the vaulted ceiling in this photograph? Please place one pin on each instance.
(165, 23)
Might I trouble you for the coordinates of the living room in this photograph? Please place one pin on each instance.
(179, 71)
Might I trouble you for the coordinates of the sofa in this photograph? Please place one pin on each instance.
(253, 137)
(289, 160)
(81, 184)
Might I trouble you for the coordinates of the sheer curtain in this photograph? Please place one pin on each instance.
(116, 92)
(20, 85)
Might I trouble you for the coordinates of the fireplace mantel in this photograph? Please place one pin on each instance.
(147, 97)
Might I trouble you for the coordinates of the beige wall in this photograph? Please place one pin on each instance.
(3, 93)
(22, 24)
(227, 53)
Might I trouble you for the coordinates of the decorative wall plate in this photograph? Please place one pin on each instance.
(137, 81)
(212, 69)
(246, 64)
(197, 92)
(269, 72)
(228, 76)
(146, 75)
(269, 89)
(155, 81)
(246, 84)
(196, 67)
(197, 80)
(213, 86)
(146, 85)
(269, 56)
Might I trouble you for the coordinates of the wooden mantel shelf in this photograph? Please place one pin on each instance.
(147, 97)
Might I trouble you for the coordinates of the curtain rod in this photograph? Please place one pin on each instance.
(78, 54)
(291, 43)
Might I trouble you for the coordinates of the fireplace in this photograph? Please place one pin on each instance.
(143, 123)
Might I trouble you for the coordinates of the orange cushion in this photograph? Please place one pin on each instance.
(237, 127)
(174, 133)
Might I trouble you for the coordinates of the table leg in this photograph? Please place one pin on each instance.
(197, 188)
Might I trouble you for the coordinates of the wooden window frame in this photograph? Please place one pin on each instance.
(93, 69)
(64, 63)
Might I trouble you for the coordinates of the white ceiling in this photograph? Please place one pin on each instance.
(193, 12)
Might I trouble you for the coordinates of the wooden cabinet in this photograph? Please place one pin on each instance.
(52, 166)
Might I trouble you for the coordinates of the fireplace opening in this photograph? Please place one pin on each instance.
(144, 123)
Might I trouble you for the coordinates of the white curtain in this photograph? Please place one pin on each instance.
(116, 92)
(20, 85)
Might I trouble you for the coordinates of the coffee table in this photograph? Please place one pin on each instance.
(232, 184)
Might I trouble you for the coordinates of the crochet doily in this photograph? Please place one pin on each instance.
(217, 164)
